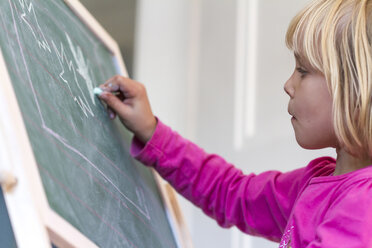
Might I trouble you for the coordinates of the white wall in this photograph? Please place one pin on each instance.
(164, 62)
(188, 56)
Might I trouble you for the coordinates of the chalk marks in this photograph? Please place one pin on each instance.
(28, 14)
(77, 68)
(24, 61)
(63, 61)
(142, 202)
(82, 66)
(29, 18)
(107, 179)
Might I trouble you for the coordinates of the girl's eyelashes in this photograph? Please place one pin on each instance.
(302, 71)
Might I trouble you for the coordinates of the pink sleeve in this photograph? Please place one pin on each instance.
(257, 204)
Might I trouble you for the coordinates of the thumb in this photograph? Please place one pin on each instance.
(115, 104)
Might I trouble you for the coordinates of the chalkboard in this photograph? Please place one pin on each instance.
(6, 232)
(54, 61)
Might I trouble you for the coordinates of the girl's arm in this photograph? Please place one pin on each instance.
(256, 204)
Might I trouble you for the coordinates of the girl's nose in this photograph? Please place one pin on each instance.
(288, 88)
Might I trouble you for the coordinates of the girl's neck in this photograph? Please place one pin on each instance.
(347, 163)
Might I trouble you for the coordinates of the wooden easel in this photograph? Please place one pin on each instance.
(34, 223)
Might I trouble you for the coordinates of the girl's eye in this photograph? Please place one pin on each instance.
(301, 71)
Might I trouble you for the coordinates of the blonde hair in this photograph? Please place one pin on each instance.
(334, 37)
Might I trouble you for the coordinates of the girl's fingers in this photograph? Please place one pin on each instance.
(110, 87)
(114, 104)
(125, 86)
(115, 83)
(111, 113)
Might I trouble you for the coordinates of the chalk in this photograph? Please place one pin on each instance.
(7, 181)
(97, 91)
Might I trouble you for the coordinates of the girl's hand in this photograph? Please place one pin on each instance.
(128, 99)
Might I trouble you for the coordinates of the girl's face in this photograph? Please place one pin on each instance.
(310, 105)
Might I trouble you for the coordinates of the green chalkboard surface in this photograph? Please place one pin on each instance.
(90, 180)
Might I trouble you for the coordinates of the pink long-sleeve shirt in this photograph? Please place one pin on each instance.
(306, 207)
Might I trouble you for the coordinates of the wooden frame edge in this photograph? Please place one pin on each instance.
(170, 201)
(83, 14)
(56, 225)
(46, 224)
(26, 203)
(167, 193)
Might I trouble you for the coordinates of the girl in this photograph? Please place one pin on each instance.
(328, 202)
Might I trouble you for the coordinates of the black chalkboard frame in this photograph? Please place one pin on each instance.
(34, 223)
